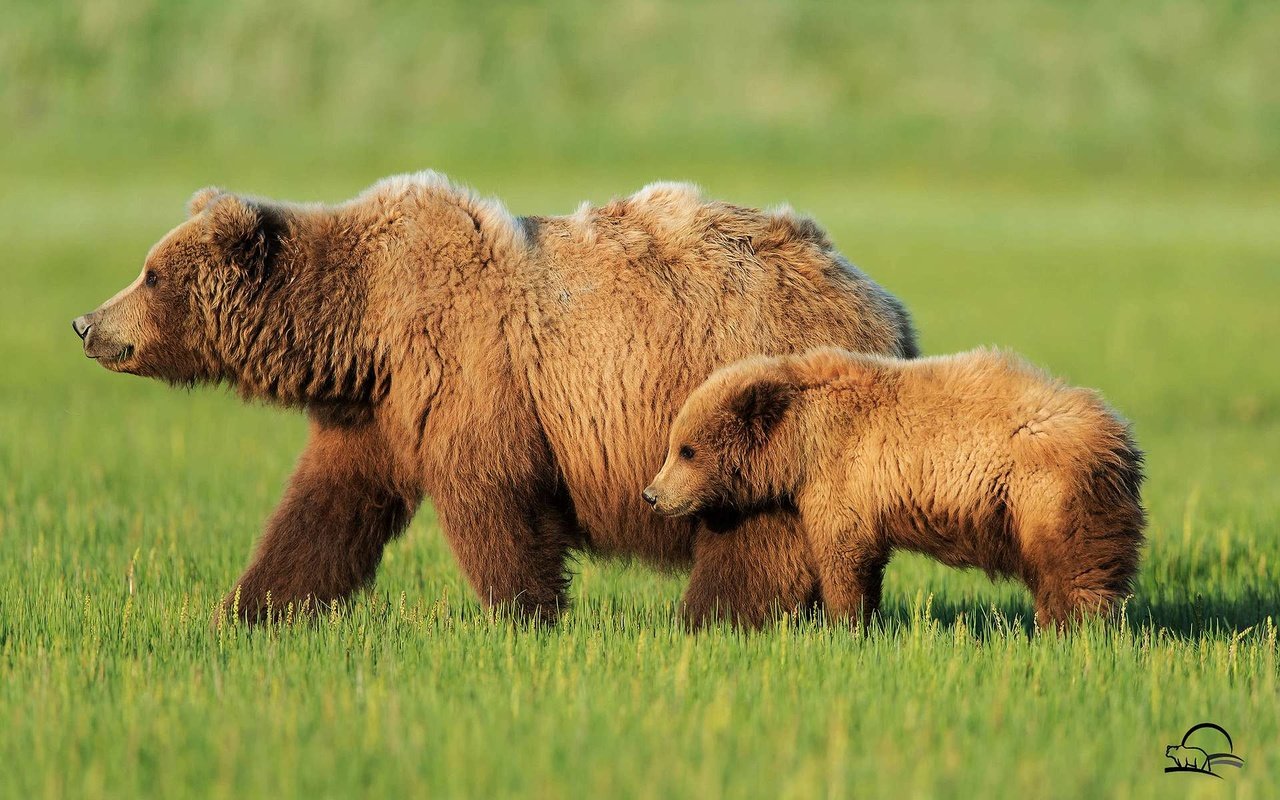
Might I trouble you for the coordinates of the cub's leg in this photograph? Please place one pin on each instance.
(326, 537)
(851, 560)
(754, 568)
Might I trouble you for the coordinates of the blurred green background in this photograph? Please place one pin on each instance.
(1154, 88)
(1094, 184)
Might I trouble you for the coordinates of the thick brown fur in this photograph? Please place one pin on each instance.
(520, 372)
(976, 459)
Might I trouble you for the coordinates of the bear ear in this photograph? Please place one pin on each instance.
(201, 199)
(244, 232)
(761, 404)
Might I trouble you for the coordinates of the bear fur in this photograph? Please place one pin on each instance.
(977, 459)
(519, 372)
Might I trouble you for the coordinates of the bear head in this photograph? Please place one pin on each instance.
(730, 446)
(167, 323)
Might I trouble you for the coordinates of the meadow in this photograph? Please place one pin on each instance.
(1093, 186)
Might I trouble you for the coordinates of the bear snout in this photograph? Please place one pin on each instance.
(101, 344)
(650, 496)
(81, 326)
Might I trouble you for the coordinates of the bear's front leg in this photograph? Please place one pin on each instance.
(325, 539)
(747, 574)
(851, 559)
(851, 583)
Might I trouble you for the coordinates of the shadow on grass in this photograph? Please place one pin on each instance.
(1200, 616)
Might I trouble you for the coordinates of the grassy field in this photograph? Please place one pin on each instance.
(1136, 249)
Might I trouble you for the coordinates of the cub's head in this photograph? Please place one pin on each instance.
(162, 325)
(729, 446)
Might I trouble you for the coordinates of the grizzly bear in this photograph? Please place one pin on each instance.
(977, 460)
(520, 372)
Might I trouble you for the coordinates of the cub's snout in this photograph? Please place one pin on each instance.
(668, 495)
(654, 497)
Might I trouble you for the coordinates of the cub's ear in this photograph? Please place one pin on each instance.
(201, 199)
(761, 404)
(244, 232)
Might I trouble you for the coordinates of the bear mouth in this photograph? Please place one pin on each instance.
(108, 359)
(681, 510)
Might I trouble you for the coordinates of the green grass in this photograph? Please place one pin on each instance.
(1092, 185)
(128, 507)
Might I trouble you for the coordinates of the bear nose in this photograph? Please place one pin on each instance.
(650, 496)
(81, 326)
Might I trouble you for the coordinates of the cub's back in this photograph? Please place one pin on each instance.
(986, 391)
(973, 394)
(949, 426)
(1045, 419)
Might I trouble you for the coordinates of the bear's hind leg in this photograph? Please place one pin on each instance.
(1081, 562)
(513, 550)
(758, 568)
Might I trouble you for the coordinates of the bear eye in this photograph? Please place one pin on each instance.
(151, 278)
(686, 452)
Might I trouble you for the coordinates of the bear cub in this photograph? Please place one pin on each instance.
(976, 459)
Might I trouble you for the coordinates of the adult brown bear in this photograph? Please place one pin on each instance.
(520, 372)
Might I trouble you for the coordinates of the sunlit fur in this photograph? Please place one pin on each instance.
(977, 459)
(521, 372)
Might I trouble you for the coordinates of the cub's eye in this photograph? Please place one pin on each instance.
(151, 278)
(686, 452)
